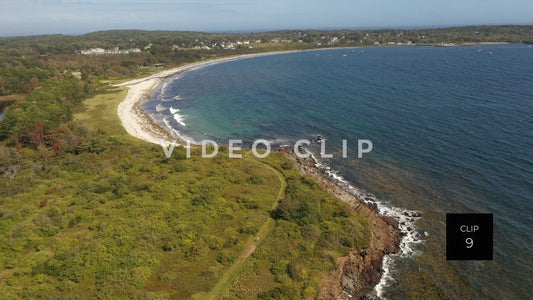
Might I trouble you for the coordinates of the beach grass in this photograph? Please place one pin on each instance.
(120, 219)
(100, 112)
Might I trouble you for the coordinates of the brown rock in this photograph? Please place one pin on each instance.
(358, 272)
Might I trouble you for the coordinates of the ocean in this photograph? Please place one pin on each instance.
(452, 132)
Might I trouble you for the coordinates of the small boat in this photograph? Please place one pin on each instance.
(318, 138)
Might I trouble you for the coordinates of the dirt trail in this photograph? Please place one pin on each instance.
(229, 276)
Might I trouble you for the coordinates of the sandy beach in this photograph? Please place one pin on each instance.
(136, 121)
(139, 124)
(358, 273)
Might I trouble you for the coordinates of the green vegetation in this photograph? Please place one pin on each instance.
(312, 229)
(128, 222)
(100, 113)
(229, 276)
(86, 211)
(27, 61)
(125, 222)
(109, 216)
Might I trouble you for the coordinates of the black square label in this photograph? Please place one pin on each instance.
(469, 237)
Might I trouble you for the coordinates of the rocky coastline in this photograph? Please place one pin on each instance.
(357, 273)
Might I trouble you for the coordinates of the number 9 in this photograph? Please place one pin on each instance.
(469, 243)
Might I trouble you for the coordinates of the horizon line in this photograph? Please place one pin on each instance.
(369, 28)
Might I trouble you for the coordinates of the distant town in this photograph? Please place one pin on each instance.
(103, 55)
(232, 45)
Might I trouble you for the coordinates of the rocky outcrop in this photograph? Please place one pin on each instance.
(357, 273)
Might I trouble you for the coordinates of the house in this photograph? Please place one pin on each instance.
(116, 50)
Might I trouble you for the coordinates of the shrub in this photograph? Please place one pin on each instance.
(279, 267)
(287, 165)
(250, 230)
(281, 292)
(255, 179)
(248, 203)
(225, 258)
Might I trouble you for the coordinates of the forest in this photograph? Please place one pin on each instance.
(85, 209)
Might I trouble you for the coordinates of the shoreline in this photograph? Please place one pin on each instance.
(361, 273)
(139, 124)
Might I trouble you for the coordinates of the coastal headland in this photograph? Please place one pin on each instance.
(357, 273)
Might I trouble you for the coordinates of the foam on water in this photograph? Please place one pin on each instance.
(406, 223)
(177, 134)
(166, 89)
(163, 90)
(418, 112)
(179, 119)
(160, 108)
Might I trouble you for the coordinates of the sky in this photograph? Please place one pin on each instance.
(29, 17)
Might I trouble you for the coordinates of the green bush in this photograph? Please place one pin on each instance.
(280, 292)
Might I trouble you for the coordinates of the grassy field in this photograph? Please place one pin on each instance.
(229, 276)
(119, 220)
(101, 112)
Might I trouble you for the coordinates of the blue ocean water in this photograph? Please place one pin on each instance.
(452, 129)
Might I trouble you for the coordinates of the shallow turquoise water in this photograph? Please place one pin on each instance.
(452, 130)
